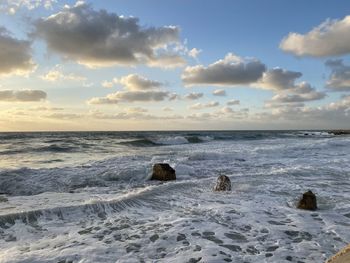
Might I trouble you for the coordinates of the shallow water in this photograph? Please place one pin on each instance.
(86, 197)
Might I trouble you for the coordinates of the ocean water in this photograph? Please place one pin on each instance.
(87, 197)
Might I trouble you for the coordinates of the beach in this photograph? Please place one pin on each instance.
(87, 197)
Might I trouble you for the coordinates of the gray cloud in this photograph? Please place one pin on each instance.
(282, 82)
(233, 102)
(301, 97)
(335, 113)
(15, 54)
(339, 80)
(331, 38)
(98, 38)
(230, 71)
(219, 92)
(130, 96)
(194, 96)
(278, 79)
(199, 106)
(22, 95)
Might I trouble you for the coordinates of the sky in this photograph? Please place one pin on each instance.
(174, 65)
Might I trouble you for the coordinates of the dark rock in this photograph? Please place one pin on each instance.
(154, 238)
(223, 183)
(163, 172)
(3, 199)
(308, 201)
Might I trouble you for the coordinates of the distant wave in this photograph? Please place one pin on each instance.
(50, 148)
(166, 140)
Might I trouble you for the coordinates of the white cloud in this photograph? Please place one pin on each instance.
(130, 96)
(22, 95)
(136, 110)
(15, 55)
(63, 116)
(230, 71)
(57, 74)
(219, 92)
(335, 113)
(331, 38)
(200, 106)
(226, 113)
(136, 88)
(99, 38)
(126, 115)
(107, 84)
(136, 82)
(167, 109)
(194, 52)
(12, 6)
(339, 80)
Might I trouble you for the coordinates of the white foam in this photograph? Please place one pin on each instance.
(171, 140)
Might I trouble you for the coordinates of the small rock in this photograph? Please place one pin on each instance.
(223, 183)
(154, 238)
(308, 201)
(163, 172)
(180, 237)
(3, 199)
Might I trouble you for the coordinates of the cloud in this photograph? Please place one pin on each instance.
(219, 92)
(131, 116)
(130, 96)
(167, 109)
(334, 113)
(233, 102)
(136, 88)
(230, 71)
(222, 114)
(200, 106)
(331, 38)
(339, 80)
(15, 55)
(194, 52)
(301, 93)
(63, 116)
(278, 79)
(136, 110)
(99, 38)
(22, 95)
(194, 96)
(12, 6)
(46, 108)
(286, 90)
(173, 96)
(137, 82)
(57, 74)
(107, 84)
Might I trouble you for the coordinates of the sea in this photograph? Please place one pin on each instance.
(87, 196)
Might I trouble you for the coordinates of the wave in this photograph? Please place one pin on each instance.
(166, 140)
(147, 196)
(53, 148)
